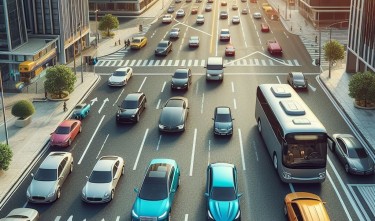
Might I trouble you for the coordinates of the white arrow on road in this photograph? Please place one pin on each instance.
(94, 100)
(105, 101)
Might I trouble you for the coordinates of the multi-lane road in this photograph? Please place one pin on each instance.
(347, 197)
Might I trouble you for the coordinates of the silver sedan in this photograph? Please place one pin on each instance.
(101, 184)
(120, 77)
(22, 214)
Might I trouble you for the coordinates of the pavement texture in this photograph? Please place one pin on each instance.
(29, 142)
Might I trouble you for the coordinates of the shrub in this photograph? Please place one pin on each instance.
(6, 155)
(23, 109)
(362, 87)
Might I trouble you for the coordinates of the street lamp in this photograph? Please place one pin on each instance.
(2, 104)
(96, 23)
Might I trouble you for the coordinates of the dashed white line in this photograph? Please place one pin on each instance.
(140, 150)
(202, 103)
(158, 104)
(241, 147)
(157, 147)
(278, 79)
(162, 88)
(101, 148)
(193, 153)
(232, 86)
(186, 217)
(143, 82)
(234, 103)
(255, 150)
(122, 91)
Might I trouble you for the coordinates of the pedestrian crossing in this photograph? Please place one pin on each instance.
(194, 63)
(116, 55)
(312, 48)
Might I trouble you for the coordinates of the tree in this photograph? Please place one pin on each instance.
(362, 87)
(6, 155)
(333, 52)
(107, 23)
(59, 79)
(23, 109)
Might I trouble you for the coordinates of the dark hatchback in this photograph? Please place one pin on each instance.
(181, 79)
(131, 108)
(223, 121)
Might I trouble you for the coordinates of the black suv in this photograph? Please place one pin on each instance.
(131, 108)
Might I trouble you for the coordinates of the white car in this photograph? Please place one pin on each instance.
(167, 18)
(120, 77)
(200, 19)
(194, 41)
(235, 19)
(101, 184)
(245, 11)
(180, 13)
(224, 35)
(174, 33)
(257, 15)
(22, 214)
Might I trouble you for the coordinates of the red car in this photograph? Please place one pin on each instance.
(65, 133)
(230, 50)
(264, 27)
(274, 47)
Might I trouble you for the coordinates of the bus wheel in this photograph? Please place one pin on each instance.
(259, 126)
(275, 161)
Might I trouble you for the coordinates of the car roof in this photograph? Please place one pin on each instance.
(67, 123)
(53, 160)
(105, 163)
(133, 96)
(222, 110)
(164, 41)
(222, 174)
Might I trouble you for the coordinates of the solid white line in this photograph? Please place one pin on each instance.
(241, 147)
(202, 103)
(186, 217)
(140, 150)
(209, 152)
(359, 202)
(122, 91)
(102, 146)
(234, 103)
(157, 105)
(192, 153)
(343, 186)
(92, 137)
(157, 147)
(291, 188)
(162, 88)
(339, 196)
(232, 87)
(143, 82)
(278, 79)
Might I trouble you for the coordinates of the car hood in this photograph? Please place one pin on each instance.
(179, 81)
(126, 112)
(59, 137)
(42, 188)
(116, 78)
(171, 116)
(96, 189)
(223, 125)
(150, 208)
(362, 164)
(224, 210)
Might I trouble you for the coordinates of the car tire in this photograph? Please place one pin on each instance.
(71, 167)
(275, 161)
(137, 118)
(259, 126)
(347, 168)
(123, 170)
(58, 193)
(112, 195)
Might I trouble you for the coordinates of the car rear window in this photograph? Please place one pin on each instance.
(223, 118)
(223, 193)
(119, 73)
(46, 175)
(100, 177)
(174, 103)
(62, 130)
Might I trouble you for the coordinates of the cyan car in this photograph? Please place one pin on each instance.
(155, 197)
(81, 111)
(223, 199)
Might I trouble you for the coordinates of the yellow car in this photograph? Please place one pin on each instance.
(138, 42)
(302, 206)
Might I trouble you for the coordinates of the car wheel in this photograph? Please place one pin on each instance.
(112, 194)
(80, 129)
(275, 161)
(71, 168)
(123, 170)
(126, 82)
(58, 193)
(69, 142)
(259, 126)
(347, 168)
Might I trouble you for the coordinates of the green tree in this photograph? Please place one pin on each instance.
(59, 79)
(333, 52)
(362, 87)
(107, 23)
(23, 109)
(6, 155)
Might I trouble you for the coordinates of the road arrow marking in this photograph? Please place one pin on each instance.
(93, 101)
(105, 101)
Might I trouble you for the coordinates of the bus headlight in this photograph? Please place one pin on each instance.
(322, 175)
(287, 175)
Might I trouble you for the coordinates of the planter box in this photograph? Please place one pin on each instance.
(23, 122)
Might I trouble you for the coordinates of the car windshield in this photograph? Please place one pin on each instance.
(174, 30)
(223, 193)
(163, 44)
(357, 153)
(62, 130)
(174, 103)
(194, 38)
(214, 67)
(224, 32)
(136, 40)
(119, 73)
(46, 175)
(180, 74)
(223, 118)
(154, 188)
(298, 77)
(129, 104)
(79, 106)
(100, 177)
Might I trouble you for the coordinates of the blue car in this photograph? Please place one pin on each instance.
(81, 111)
(222, 195)
(155, 197)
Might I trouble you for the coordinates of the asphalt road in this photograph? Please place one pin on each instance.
(263, 192)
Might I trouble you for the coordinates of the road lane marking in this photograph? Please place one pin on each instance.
(122, 91)
(140, 150)
(101, 148)
(192, 153)
(117, 218)
(57, 218)
(92, 137)
(278, 79)
(241, 147)
(157, 147)
(196, 89)
(359, 202)
(232, 86)
(202, 102)
(234, 103)
(101, 107)
(158, 104)
(70, 218)
(143, 82)
(162, 88)
(186, 217)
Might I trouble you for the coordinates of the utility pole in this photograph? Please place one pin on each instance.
(329, 61)
(2, 104)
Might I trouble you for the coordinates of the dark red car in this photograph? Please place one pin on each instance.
(230, 50)
(264, 27)
(65, 133)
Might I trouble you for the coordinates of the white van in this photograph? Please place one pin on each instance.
(215, 68)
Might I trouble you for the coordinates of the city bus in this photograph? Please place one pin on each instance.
(295, 138)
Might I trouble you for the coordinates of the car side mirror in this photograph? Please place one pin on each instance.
(136, 190)
(173, 191)
(31, 174)
(87, 177)
(206, 195)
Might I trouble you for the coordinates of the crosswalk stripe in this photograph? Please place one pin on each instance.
(296, 62)
(176, 62)
(169, 62)
(196, 62)
(163, 63)
(145, 62)
(126, 63)
(203, 63)
(151, 63)
(138, 63)
(263, 62)
(189, 63)
(271, 62)
(183, 63)
(157, 62)
(132, 63)
(256, 61)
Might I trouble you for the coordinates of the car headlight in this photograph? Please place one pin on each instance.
(66, 140)
(161, 126)
(238, 215)
(180, 126)
(134, 214)
(162, 216)
(106, 195)
(216, 129)
(51, 194)
(354, 168)
(209, 214)
(133, 115)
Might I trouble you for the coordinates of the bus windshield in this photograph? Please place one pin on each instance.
(307, 151)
